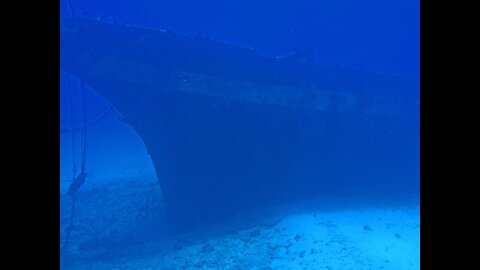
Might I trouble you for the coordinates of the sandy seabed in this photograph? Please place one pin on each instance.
(294, 236)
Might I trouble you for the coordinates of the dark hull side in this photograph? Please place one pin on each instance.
(229, 131)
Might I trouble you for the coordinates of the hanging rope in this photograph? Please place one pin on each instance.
(101, 115)
(84, 109)
(96, 117)
(105, 110)
(79, 180)
(70, 105)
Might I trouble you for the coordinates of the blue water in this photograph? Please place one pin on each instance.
(309, 179)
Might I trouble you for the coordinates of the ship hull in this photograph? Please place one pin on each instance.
(224, 140)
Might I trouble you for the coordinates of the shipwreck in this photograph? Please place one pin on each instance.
(230, 130)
